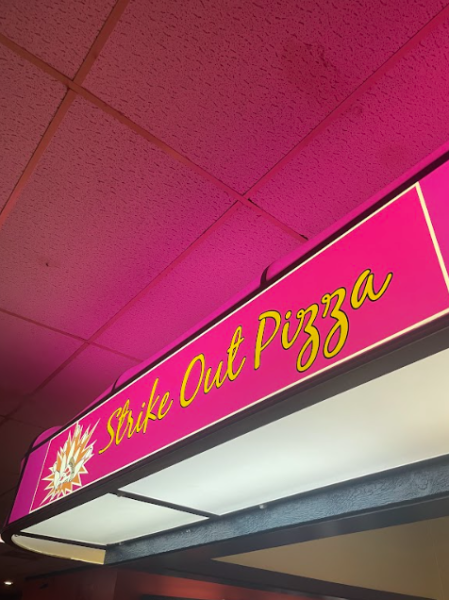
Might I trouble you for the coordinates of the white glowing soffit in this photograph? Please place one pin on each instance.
(110, 519)
(400, 418)
(61, 549)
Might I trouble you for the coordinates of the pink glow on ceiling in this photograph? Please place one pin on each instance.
(103, 214)
(59, 31)
(88, 375)
(218, 269)
(28, 100)
(244, 292)
(247, 79)
(29, 353)
(402, 119)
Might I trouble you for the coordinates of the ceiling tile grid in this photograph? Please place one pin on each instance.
(198, 284)
(101, 216)
(242, 247)
(399, 121)
(30, 353)
(28, 100)
(236, 85)
(61, 33)
(73, 388)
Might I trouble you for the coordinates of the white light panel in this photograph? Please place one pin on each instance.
(397, 419)
(110, 519)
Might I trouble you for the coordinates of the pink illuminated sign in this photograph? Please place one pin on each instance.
(380, 279)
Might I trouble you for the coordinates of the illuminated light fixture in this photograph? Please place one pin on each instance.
(111, 520)
(330, 442)
(127, 459)
(8, 582)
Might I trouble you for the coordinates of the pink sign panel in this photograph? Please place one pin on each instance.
(380, 279)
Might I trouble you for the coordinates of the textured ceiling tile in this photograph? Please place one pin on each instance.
(29, 353)
(235, 85)
(393, 126)
(231, 257)
(28, 101)
(60, 32)
(9, 401)
(73, 388)
(102, 215)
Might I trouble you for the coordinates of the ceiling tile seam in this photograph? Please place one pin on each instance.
(181, 158)
(345, 104)
(67, 334)
(67, 101)
(36, 156)
(168, 269)
(103, 35)
(34, 60)
(43, 325)
(75, 87)
(155, 141)
(50, 377)
(26, 397)
(99, 103)
(299, 237)
(91, 340)
(135, 359)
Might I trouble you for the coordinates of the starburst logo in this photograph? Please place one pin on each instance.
(65, 474)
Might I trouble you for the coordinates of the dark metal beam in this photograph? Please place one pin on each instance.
(165, 504)
(50, 538)
(413, 493)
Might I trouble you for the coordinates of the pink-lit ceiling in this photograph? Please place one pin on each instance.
(157, 156)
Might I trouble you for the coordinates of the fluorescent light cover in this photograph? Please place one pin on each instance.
(394, 420)
(110, 519)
